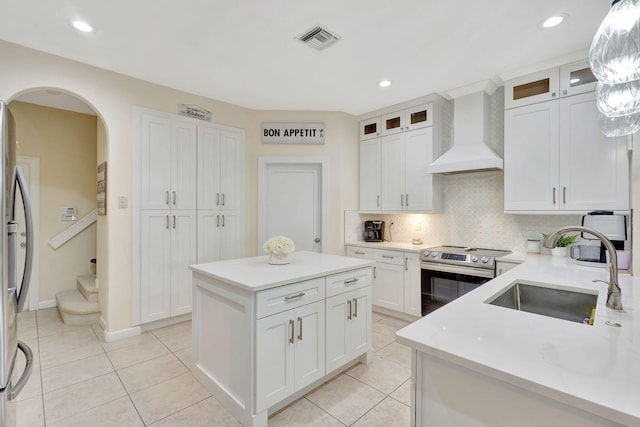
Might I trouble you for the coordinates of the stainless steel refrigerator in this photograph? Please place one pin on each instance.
(13, 295)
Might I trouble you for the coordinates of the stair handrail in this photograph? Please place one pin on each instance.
(72, 231)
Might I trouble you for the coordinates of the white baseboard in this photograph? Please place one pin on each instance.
(165, 322)
(47, 304)
(121, 334)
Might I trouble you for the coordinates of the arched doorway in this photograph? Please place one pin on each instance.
(58, 134)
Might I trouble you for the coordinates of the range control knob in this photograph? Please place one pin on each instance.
(474, 258)
(485, 259)
(434, 254)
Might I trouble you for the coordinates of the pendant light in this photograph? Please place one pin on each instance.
(614, 58)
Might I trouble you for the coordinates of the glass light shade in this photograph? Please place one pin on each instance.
(614, 56)
(620, 126)
(622, 99)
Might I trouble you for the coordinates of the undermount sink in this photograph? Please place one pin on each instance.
(545, 299)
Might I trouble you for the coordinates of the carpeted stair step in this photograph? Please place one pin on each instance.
(75, 310)
(87, 287)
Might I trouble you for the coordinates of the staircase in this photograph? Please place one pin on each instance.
(80, 306)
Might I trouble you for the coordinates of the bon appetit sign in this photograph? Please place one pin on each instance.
(293, 133)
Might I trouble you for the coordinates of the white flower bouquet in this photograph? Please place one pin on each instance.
(279, 245)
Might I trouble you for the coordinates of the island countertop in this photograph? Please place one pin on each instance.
(594, 368)
(256, 274)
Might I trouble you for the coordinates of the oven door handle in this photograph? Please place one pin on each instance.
(469, 271)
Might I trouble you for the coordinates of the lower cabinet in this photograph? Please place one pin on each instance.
(388, 286)
(348, 326)
(168, 247)
(412, 284)
(291, 346)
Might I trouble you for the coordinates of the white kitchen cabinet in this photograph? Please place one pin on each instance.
(557, 159)
(396, 278)
(412, 284)
(291, 346)
(404, 120)
(348, 326)
(168, 247)
(393, 166)
(370, 128)
(370, 174)
(168, 163)
(405, 183)
(219, 235)
(567, 80)
(220, 168)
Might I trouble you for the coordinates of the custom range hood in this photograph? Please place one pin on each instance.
(469, 152)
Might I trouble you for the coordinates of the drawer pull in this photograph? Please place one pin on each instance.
(358, 253)
(387, 256)
(351, 281)
(290, 297)
(292, 330)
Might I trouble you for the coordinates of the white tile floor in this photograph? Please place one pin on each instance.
(80, 380)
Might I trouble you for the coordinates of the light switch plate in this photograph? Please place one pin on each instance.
(122, 202)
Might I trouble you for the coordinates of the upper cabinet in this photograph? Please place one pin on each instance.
(570, 79)
(556, 158)
(393, 163)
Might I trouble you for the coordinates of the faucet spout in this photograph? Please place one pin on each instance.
(614, 294)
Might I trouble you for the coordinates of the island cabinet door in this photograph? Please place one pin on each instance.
(310, 344)
(275, 341)
(360, 323)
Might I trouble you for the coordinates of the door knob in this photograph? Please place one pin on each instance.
(317, 240)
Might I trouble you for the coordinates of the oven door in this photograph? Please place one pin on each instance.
(442, 283)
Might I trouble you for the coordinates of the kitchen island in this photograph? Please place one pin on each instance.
(477, 364)
(264, 335)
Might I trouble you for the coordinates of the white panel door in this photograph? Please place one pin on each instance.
(310, 344)
(370, 174)
(183, 254)
(388, 286)
(337, 343)
(392, 172)
(594, 169)
(292, 204)
(418, 156)
(208, 168)
(183, 171)
(531, 157)
(412, 284)
(231, 169)
(155, 154)
(155, 265)
(275, 341)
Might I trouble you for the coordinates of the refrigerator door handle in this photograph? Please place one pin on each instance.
(20, 181)
(14, 390)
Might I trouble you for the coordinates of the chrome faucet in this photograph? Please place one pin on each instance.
(614, 295)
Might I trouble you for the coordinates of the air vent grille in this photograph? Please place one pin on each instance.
(318, 38)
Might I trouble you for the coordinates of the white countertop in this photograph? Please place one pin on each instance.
(595, 368)
(394, 246)
(255, 273)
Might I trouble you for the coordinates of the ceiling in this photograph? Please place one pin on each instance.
(246, 52)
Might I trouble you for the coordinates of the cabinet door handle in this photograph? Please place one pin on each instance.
(358, 253)
(406, 263)
(298, 295)
(222, 199)
(167, 221)
(355, 307)
(554, 195)
(223, 220)
(406, 200)
(217, 220)
(374, 272)
(292, 330)
(564, 92)
(174, 198)
(174, 222)
(167, 198)
(349, 315)
(351, 281)
(564, 195)
(217, 199)
(378, 201)
(299, 328)
(553, 94)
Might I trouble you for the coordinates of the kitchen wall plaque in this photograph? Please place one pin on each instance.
(293, 133)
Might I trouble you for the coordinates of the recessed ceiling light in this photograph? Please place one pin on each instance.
(384, 83)
(553, 21)
(82, 26)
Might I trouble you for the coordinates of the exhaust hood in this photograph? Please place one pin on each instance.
(469, 152)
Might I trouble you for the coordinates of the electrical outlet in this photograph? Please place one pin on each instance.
(419, 226)
(122, 202)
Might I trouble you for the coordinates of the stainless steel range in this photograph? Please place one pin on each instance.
(449, 272)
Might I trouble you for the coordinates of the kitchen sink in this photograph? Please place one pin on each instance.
(545, 299)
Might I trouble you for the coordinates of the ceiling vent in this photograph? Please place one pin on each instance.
(318, 38)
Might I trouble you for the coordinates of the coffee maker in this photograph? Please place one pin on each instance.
(614, 227)
(373, 231)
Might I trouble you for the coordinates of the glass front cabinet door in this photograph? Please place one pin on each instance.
(408, 119)
(370, 128)
(532, 88)
(576, 78)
